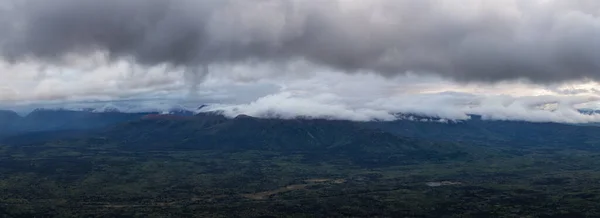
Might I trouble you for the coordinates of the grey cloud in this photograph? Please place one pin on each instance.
(476, 40)
(357, 97)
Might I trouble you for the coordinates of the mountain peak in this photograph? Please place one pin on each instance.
(8, 118)
(8, 113)
(243, 116)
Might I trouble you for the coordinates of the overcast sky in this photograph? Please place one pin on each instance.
(532, 60)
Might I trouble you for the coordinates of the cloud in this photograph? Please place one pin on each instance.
(452, 107)
(325, 94)
(31, 83)
(544, 41)
(369, 97)
(534, 60)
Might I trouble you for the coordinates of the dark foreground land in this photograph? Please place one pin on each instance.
(209, 166)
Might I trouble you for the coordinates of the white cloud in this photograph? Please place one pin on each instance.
(289, 91)
(366, 96)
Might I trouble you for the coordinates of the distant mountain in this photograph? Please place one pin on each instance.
(180, 128)
(314, 139)
(497, 133)
(589, 111)
(176, 163)
(7, 120)
(53, 120)
(8, 117)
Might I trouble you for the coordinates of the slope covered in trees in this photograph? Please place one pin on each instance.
(211, 166)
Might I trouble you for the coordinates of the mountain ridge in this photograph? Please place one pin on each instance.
(474, 130)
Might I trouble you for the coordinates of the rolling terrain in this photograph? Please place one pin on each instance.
(208, 165)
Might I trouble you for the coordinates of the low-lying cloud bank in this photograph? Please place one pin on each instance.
(364, 98)
(335, 95)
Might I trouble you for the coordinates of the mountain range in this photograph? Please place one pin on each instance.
(180, 163)
(474, 130)
(51, 120)
(367, 143)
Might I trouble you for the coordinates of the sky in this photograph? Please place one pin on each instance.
(534, 60)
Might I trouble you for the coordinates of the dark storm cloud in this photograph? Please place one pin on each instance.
(471, 40)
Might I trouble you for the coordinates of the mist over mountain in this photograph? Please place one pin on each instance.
(299, 108)
(185, 123)
(83, 118)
